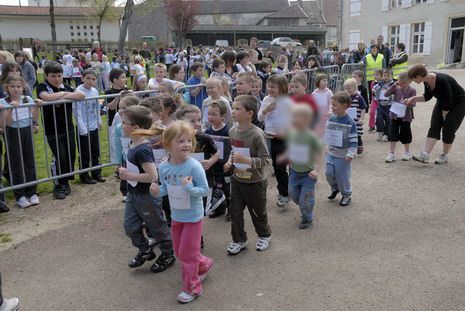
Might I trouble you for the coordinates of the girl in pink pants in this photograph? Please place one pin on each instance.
(183, 179)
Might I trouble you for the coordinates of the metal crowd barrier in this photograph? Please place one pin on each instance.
(346, 73)
(198, 99)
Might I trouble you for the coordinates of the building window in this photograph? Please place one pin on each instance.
(85, 34)
(354, 38)
(394, 35)
(71, 27)
(91, 27)
(78, 27)
(85, 27)
(91, 33)
(420, 1)
(72, 34)
(78, 33)
(72, 40)
(418, 38)
(355, 7)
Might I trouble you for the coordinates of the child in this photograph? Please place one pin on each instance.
(67, 72)
(257, 89)
(218, 70)
(217, 111)
(305, 154)
(183, 180)
(263, 72)
(383, 121)
(341, 138)
(214, 88)
(77, 72)
(249, 157)
(120, 141)
(400, 125)
(358, 75)
(138, 68)
(58, 123)
(114, 63)
(374, 102)
(140, 84)
(105, 68)
(276, 113)
(89, 121)
(170, 104)
(198, 94)
(160, 73)
(225, 86)
(322, 95)
(166, 88)
(298, 88)
(358, 107)
(18, 137)
(140, 206)
(244, 84)
(296, 66)
(282, 64)
(118, 82)
(243, 63)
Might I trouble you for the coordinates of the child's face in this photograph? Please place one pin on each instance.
(387, 77)
(15, 89)
(180, 75)
(213, 90)
(357, 78)
(338, 108)
(89, 81)
(245, 61)
(240, 114)
(160, 73)
(296, 67)
(267, 69)
(19, 59)
(256, 88)
(142, 84)
(378, 77)
(14, 72)
(323, 84)
(243, 87)
(221, 68)
(194, 118)
(282, 63)
(214, 116)
(181, 147)
(55, 79)
(350, 89)
(254, 58)
(403, 84)
(301, 121)
(297, 88)
(120, 82)
(198, 73)
(128, 127)
(75, 64)
(273, 89)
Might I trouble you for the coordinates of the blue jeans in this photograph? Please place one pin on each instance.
(302, 192)
(338, 172)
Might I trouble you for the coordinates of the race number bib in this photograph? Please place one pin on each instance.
(178, 197)
(299, 154)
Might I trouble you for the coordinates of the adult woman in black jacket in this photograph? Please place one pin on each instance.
(448, 113)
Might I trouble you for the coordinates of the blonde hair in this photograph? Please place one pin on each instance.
(250, 52)
(7, 55)
(225, 87)
(246, 76)
(281, 82)
(302, 109)
(160, 65)
(167, 86)
(403, 76)
(185, 109)
(216, 81)
(175, 130)
(351, 82)
(282, 58)
(300, 78)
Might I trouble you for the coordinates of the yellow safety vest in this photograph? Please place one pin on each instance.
(373, 65)
(397, 69)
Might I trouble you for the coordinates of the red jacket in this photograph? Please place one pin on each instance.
(307, 99)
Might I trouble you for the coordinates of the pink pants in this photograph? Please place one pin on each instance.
(373, 108)
(186, 243)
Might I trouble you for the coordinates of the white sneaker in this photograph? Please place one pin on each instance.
(151, 242)
(380, 136)
(10, 304)
(184, 297)
(34, 199)
(443, 158)
(236, 248)
(23, 202)
(390, 158)
(407, 156)
(385, 138)
(282, 201)
(263, 243)
(423, 157)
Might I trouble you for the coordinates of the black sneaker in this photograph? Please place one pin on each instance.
(99, 179)
(141, 258)
(305, 224)
(217, 213)
(59, 192)
(67, 189)
(346, 200)
(333, 195)
(4, 208)
(162, 263)
(87, 180)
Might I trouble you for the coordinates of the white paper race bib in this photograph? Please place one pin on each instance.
(220, 147)
(133, 169)
(334, 138)
(179, 198)
(398, 109)
(245, 152)
(299, 154)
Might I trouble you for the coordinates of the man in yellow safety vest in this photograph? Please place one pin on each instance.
(373, 61)
(399, 63)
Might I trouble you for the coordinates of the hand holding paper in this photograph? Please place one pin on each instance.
(186, 180)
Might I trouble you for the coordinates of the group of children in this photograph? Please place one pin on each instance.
(178, 162)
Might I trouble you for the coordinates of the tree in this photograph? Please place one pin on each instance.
(181, 17)
(102, 9)
(53, 27)
(125, 20)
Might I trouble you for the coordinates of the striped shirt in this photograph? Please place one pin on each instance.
(358, 103)
(350, 140)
